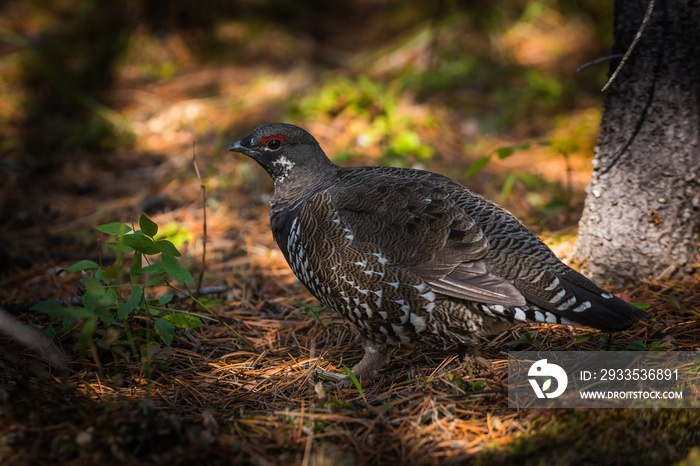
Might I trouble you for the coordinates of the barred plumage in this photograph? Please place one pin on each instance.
(411, 256)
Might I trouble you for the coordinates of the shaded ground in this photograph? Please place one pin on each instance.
(210, 397)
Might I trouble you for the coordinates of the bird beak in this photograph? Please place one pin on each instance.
(238, 147)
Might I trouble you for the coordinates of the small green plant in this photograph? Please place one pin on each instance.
(355, 382)
(657, 345)
(502, 153)
(316, 312)
(528, 338)
(108, 300)
(377, 106)
(464, 382)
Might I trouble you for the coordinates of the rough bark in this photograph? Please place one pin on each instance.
(642, 212)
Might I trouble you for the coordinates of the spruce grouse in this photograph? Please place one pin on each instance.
(408, 255)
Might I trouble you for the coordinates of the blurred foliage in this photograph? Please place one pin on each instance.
(376, 103)
(69, 52)
(405, 83)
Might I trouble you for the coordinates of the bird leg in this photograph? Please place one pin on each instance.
(470, 354)
(376, 356)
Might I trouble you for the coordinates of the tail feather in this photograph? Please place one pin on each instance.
(592, 306)
(606, 312)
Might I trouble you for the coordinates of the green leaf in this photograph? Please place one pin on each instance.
(636, 346)
(109, 274)
(148, 226)
(50, 333)
(80, 266)
(98, 294)
(641, 306)
(508, 185)
(182, 320)
(51, 308)
(477, 166)
(583, 338)
(68, 323)
(153, 268)
(105, 316)
(165, 299)
(128, 307)
(78, 313)
(505, 152)
(115, 228)
(167, 247)
(140, 243)
(165, 330)
(175, 270)
(155, 279)
(119, 247)
(355, 382)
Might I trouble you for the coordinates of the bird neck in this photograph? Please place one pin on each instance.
(301, 182)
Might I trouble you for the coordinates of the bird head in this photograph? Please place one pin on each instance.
(289, 154)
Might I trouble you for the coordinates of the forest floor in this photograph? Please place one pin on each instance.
(243, 390)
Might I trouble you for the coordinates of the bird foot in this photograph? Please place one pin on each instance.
(340, 379)
(375, 357)
(482, 362)
(470, 355)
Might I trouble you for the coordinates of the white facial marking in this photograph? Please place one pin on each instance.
(287, 166)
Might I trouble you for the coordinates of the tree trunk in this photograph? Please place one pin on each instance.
(642, 212)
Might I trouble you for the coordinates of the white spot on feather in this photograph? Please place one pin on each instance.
(418, 323)
(553, 285)
(519, 315)
(557, 297)
(382, 260)
(582, 307)
(567, 304)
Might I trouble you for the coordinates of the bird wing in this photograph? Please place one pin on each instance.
(419, 225)
(465, 247)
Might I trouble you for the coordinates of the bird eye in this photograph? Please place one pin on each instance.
(273, 142)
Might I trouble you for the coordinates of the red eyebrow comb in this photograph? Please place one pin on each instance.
(276, 136)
